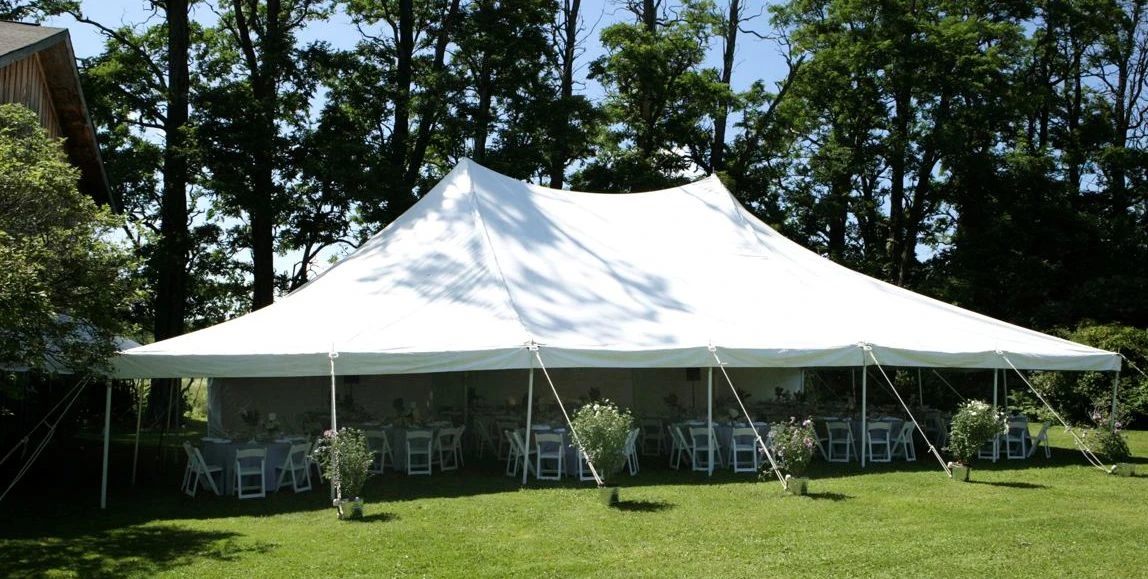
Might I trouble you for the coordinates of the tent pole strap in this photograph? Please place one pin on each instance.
(107, 440)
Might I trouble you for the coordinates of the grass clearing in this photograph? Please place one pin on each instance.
(1020, 518)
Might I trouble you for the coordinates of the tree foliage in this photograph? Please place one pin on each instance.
(65, 285)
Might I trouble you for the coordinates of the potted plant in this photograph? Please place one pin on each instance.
(792, 443)
(345, 460)
(600, 430)
(975, 424)
(1110, 442)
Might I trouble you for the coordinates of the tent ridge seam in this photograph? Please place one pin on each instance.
(474, 204)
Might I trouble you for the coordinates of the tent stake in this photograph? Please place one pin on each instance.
(107, 440)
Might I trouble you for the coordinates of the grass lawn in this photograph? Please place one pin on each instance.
(1040, 517)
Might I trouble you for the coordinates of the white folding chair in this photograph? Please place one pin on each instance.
(549, 456)
(904, 445)
(840, 445)
(515, 453)
(250, 480)
(1016, 439)
(701, 439)
(879, 442)
(298, 465)
(1041, 439)
(380, 448)
(198, 469)
(743, 453)
(419, 452)
(991, 449)
(444, 454)
(584, 472)
(679, 448)
(504, 443)
(652, 436)
(485, 437)
(631, 450)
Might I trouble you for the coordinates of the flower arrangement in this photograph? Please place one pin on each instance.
(975, 424)
(601, 429)
(271, 424)
(793, 445)
(1109, 440)
(344, 458)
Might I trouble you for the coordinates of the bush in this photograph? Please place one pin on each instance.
(1108, 439)
(601, 429)
(793, 443)
(345, 459)
(1075, 394)
(974, 424)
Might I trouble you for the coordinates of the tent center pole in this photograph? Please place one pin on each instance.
(139, 421)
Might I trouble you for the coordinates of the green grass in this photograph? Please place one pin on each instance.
(1055, 517)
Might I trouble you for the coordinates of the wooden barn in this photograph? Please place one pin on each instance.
(38, 70)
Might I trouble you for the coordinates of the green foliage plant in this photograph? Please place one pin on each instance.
(66, 286)
(793, 443)
(601, 429)
(345, 459)
(1108, 438)
(974, 425)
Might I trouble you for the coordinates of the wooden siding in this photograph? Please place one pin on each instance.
(23, 82)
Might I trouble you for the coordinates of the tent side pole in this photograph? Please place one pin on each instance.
(1115, 389)
(107, 441)
(920, 390)
(529, 417)
(996, 375)
(710, 421)
(139, 421)
(864, 410)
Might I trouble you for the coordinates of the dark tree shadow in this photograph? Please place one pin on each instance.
(643, 506)
(835, 497)
(119, 552)
(1009, 484)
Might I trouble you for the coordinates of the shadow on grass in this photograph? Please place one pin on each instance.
(835, 497)
(119, 552)
(376, 518)
(643, 506)
(1008, 484)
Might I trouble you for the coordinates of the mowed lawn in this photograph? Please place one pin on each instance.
(1057, 517)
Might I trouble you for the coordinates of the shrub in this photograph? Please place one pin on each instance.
(1108, 439)
(601, 429)
(345, 459)
(974, 424)
(793, 443)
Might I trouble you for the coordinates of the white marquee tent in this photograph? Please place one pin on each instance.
(484, 266)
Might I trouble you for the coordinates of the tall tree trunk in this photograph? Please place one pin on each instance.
(403, 78)
(170, 259)
(717, 149)
(560, 153)
(432, 104)
(483, 84)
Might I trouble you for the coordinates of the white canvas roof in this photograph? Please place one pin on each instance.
(484, 265)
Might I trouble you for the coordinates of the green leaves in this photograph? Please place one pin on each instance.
(65, 285)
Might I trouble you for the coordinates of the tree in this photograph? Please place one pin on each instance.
(65, 287)
(251, 117)
(658, 97)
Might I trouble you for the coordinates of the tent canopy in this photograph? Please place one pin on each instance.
(485, 266)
